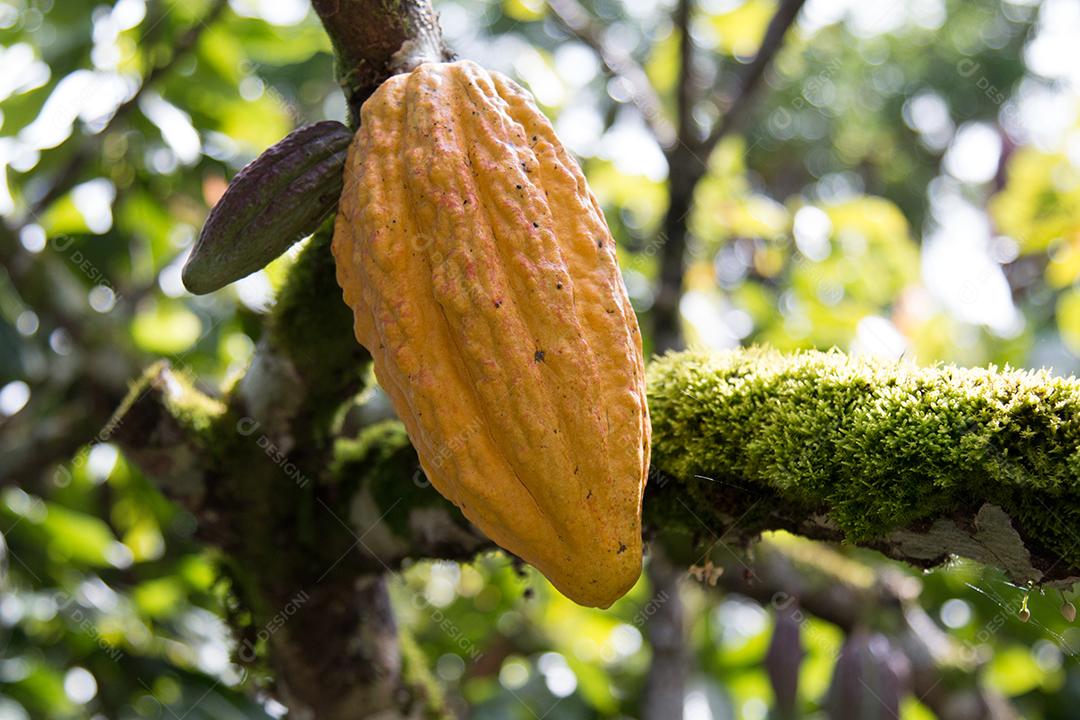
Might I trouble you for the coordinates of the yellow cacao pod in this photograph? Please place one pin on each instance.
(483, 279)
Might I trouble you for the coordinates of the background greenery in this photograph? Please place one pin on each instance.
(907, 185)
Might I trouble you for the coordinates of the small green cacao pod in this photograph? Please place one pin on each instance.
(279, 198)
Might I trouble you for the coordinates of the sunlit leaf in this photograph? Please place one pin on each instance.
(158, 598)
(739, 31)
(166, 328)
(77, 537)
(1014, 671)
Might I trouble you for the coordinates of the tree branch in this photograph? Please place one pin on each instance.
(687, 164)
(732, 110)
(788, 574)
(919, 463)
(574, 18)
(685, 168)
(163, 426)
(664, 685)
(374, 39)
(684, 90)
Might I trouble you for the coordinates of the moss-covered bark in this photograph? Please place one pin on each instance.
(886, 455)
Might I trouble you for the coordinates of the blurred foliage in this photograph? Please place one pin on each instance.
(906, 185)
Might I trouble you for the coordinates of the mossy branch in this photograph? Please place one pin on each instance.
(920, 463)
(164, 426)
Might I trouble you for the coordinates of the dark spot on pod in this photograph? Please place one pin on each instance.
(534, 138)
(599, 243)
(498, 304)
(576, 469)
(589, 495)
(518, 187)
(621, 550)
(535, 225)
(558, 286)
(538, 356)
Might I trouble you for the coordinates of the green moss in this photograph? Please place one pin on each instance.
(313, 326)
(193, 409)
(160, 391)
(136, 391)
(382, 460)
(416, 676)
(873, 446)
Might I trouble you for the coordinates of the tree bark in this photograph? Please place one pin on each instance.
(374, 39)
(665, 683)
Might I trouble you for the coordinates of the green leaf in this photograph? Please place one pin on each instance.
(159, 598)
(1014, 671)
(167, 328)
(77, 537)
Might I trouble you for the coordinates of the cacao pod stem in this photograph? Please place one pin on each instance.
(279, 198)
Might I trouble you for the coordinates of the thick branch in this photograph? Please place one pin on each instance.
(360, 675)
(576, 19)
(920, 463)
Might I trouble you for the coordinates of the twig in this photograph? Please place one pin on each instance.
(573, 17)
(751, 76)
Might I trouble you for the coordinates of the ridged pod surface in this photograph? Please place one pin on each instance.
(483, 279)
